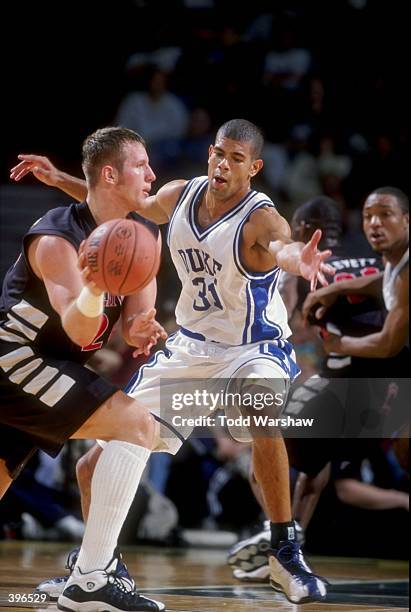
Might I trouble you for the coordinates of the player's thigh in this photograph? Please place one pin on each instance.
(259, 388)
(47, 399)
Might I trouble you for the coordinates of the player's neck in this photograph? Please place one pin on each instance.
(101, 214)
(394, 256)
(217, 207)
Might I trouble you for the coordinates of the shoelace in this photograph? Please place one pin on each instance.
(127, 583)
(121, 583)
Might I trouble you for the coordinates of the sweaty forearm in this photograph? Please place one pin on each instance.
(376, 345)
(364, 285)
(82, 318)
(288, 256)
(368, 496)
(73, 186)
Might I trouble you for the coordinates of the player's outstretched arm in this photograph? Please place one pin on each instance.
(364, 495)
(267, 231)
(42, 168)
(160, 207)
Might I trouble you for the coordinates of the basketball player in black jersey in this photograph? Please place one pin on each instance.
(321, 397)
(53, 318)
(386, 226)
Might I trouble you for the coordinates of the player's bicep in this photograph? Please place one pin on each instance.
(396, 325)
(159, 207)
(55, 261)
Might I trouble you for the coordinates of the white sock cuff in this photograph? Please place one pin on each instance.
(138, 451)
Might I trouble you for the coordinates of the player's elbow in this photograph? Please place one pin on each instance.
(344, 490)
(389, 346)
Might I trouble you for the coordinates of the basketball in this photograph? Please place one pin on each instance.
(123, 256)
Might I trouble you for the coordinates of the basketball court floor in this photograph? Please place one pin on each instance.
(198, 580)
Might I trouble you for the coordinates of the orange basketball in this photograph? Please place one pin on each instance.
(123, 256)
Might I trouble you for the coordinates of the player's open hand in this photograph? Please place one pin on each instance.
(145, 332)
(41, 167)
(312, 265)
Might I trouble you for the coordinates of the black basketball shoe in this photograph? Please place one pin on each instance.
(103, 590)
(53, 587)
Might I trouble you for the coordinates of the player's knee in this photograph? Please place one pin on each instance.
(138, 427)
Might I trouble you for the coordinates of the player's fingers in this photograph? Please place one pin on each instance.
(325, 254)
(31, 158)
(313, 283)
(327, 269)
(137, 352)
(18, 167)
(322, 279)
(19, 174)
(315, 238)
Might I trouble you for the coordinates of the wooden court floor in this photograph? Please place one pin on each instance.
(198, 580)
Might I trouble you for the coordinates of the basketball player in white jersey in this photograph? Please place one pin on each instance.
(228, 244)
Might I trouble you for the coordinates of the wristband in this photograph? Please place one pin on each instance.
(90, 305)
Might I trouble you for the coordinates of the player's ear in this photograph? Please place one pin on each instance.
(256, 167)
(210, 151)
(109, 174)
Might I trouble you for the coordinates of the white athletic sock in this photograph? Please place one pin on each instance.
(113, 487)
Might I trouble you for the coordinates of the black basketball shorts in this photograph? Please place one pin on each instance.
(46, 399)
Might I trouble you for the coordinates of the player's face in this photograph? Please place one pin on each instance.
(230, 167)
(384, 223)
(136, 175)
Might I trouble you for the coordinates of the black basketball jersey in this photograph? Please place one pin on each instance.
(350, 315)
(26, 315)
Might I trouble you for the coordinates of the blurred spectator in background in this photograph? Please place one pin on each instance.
(157, 113)
(301, 181)
(43, 504)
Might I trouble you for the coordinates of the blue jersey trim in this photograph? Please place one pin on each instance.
(202, 233)
(236, 245)
(194, 335)
(279, 356)
(136, 379)
(177, 206)
(257, 325)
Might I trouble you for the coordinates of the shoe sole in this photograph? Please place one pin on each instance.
(279, 589)
(250, 557)
(95, 606)
(51, 597)
(262, 574)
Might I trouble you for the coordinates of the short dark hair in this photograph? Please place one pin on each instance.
(322, 213)
(398, 194)
(106, 145)
(243, 131)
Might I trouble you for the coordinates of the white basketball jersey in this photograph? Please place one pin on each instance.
(220, 300)
(390, 275)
